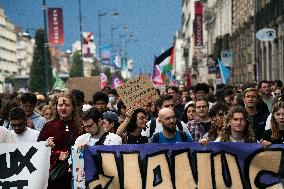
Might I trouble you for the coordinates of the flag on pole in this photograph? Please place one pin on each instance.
(165, 61)
(225, 72)
(156, 76)
(116, 82)
(104, 80)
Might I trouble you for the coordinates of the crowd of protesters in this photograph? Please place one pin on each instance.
(248, 113)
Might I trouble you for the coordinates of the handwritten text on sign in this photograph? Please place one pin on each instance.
(184, 165)
(138, 92)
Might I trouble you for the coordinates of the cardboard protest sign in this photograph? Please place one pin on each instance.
(185, 165)
(24, 165)
(138, 92)
(89, 85)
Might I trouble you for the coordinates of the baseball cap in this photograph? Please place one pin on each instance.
(110, 116)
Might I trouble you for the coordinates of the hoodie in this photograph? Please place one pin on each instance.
(37, 120)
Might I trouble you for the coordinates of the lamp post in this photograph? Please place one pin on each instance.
(101, 14)
(81, 40)
(44, 8)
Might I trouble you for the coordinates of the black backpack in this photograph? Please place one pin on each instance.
(153, 126)
(156, 138)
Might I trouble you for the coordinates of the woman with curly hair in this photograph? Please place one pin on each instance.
(238, 127)
(275, 135)
(130, 129)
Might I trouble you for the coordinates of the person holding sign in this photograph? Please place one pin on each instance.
(130, 129)
(65, 129)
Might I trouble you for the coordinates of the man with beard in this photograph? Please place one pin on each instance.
(170, 134)
(202, 123)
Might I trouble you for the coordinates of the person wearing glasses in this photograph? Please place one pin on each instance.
(18, 122)
(130, 129)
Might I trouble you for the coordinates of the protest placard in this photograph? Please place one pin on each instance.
(24, 165)
(138, 92)
(185, 165)
(78, 173)
(89, 85)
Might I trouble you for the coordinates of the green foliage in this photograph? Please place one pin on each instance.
(76, 69)
(96, 69)
(37, 72)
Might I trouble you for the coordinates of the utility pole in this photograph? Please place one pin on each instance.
(81, 39)
(44, 8)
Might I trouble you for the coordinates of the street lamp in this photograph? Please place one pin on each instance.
(101, 14)
(44, 8)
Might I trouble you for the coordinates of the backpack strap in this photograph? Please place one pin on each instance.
(152, 127)
(156, 138)
(183, 136)
(179, 125)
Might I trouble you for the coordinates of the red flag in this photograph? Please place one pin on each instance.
(55, 26)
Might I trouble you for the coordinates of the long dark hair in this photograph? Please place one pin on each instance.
(247, 133)
(131, 126)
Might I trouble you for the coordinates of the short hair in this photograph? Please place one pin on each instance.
(260, 83)
(201, 87)
(113, 91)
(78, 96)
(93, 114)
(17, 114)
(278, 83)
(165, 97)
(28, 97)
(202, 99)
(174, 88)
(249, 90)
(100, 96)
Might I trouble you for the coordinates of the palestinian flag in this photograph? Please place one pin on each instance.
(165, 61)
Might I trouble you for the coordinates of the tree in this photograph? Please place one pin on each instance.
(37, 72)
(96, 68)
(76, 70)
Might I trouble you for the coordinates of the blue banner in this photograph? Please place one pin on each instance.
(185, 165)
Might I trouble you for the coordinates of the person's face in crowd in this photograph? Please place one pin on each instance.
(91, 127)
(19, 126)
(168, 104)
(123, 111)
(274, 87)
(107, 125)
(168, 120)
(101, 105)
(106, 90)
(238, 122)
(173, 94)
(191, 112)
(279, 117)
(201, 108)
(192, 95)
(200, 94)
(48, 114)
(181, 87)
(229, 99)
(184, 96)
(112, 99)
(64, 108)
(250, 99)
(277, 92)
(153, 107)
(141, 120)
(265, 88)
(28, 108)
(147, 107)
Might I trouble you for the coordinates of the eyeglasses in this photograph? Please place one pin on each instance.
(141, 118)
(90, 126)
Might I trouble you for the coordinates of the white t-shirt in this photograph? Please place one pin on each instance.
(111, 139)
(6, 136)
(29, 135)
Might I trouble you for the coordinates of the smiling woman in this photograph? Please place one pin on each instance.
(65, 129)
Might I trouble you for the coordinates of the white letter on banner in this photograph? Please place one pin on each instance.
(265, 161)
(183, 172)
(234, 172)
(158, 173)
(131, 171)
